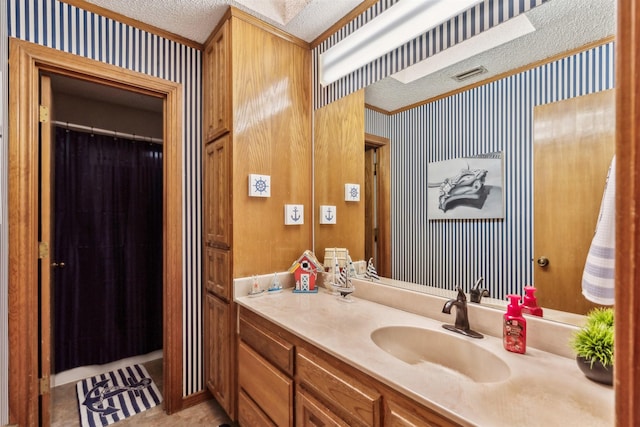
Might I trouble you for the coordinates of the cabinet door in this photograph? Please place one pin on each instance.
(311, 413)
(217, 272)
(217, 192)
(218, 350)
(216, 82)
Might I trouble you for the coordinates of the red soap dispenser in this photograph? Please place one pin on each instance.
(530, 305)
(514, 329)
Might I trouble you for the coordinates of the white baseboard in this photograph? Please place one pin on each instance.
(81, 372)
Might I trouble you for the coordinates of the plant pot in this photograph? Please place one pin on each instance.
(597, 372)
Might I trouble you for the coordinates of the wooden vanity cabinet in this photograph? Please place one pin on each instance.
(265, 371)
(347, 397)
(272, 363)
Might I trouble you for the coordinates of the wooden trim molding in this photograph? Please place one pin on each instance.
(26, 61)
(233, 11)
(90, 7)
(627, 294)
(383, 146)
(366, 4)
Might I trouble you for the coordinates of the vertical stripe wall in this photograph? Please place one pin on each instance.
(495, 117)
(476, 19)
(67, 28)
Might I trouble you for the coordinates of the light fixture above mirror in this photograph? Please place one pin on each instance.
(399, 24)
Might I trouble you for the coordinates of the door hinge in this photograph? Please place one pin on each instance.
(375, 168)
(45, 385)
(43, 250)
(44, 114)
(375, 234)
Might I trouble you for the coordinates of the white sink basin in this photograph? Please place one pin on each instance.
(432, 349)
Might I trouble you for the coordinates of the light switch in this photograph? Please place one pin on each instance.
(259, 185)
(327, 214)
(293, 214)
(352, 192)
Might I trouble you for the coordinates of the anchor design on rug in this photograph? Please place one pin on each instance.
(94, 400)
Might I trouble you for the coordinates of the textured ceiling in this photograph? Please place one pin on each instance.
(195, 19)
(561, 25)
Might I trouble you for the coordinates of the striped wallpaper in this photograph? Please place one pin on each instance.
(68, 28)
(4, 244)
(483, 16)
(493, 117)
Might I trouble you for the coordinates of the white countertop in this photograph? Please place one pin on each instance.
(543, 389)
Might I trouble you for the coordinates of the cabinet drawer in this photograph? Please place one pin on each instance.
(409, 414)
(270, 389)
(354, 401)
(276, 350)
(311, 413)
(249, 414)
(217, 277)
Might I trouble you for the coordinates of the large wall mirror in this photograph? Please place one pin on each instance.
(487, 103)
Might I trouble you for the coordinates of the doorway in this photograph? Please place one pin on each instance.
(377, 232)
(30, 389)
(105, 244)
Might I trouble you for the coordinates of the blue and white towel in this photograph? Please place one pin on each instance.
(598, 279)
(113, 396)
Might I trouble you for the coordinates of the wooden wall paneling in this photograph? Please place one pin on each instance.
(338, 160)
(627, 333)
(271, 136)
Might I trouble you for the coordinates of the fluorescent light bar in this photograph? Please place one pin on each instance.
(493, 37)
(399, 24)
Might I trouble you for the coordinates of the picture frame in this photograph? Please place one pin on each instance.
(466, 187)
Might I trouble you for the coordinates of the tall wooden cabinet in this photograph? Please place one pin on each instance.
(256, 120)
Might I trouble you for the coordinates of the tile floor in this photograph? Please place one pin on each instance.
(209, 413)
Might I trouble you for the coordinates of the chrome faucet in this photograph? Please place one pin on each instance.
(462, 319)
(475, 293)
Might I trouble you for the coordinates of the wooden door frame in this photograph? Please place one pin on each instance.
(26, 61)
(627, 295)
(383, 207)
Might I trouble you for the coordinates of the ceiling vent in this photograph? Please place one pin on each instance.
(469, 73)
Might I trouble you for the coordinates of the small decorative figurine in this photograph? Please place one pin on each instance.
(275, 285)
(305, 270)
(255, 288)
(371, 273)
(343, 286)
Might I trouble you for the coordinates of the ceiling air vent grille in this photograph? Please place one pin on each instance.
(470, 73)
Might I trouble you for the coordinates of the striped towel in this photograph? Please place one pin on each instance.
(598, 278)
(113, 396)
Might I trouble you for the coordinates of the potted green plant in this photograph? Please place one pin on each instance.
(593, 345)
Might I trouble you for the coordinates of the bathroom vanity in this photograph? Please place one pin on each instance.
(311, 359)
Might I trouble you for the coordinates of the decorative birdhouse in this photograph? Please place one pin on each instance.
(305, 270)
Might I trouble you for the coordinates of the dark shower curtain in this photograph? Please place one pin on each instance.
(108, 233)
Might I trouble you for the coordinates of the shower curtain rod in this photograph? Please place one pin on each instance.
(107, 132)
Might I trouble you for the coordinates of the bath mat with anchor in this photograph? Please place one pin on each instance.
(113, 396)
